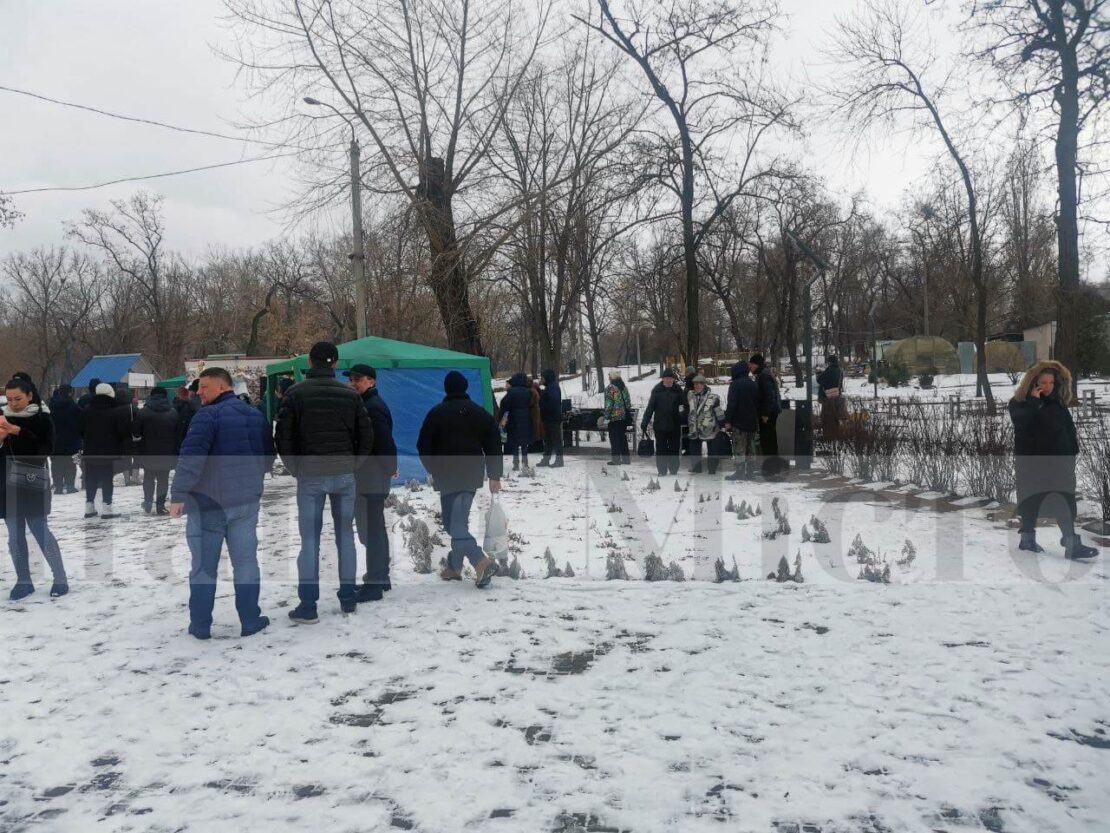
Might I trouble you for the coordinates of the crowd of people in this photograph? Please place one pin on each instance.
(336, 439)
(689, 419)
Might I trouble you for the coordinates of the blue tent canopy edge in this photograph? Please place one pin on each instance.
(106, 368)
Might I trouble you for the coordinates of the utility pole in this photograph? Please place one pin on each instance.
(874, 352)
(803, 429)
(358, 256)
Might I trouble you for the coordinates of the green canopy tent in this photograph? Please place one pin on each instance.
(172, 384)
(410, 379)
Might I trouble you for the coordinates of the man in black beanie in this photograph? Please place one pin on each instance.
(459, 445)
(768, 406)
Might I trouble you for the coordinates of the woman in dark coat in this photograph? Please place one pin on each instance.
(833, 405)
(516, 418)
(67, 440)
(157, 449)
(1045, 448)
(26, 442)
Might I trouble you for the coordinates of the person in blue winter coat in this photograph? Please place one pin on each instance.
(218, 485)
(516, 418)
(551, 413)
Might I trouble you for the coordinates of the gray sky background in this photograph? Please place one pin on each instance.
(154, 59)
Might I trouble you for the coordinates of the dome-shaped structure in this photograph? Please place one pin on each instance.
(923, 353)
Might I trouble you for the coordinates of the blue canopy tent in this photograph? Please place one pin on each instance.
(410, 380)
(125, 368)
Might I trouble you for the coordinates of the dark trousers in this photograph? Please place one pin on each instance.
(553, 441)
(768, 436)
(1060, 506)
(667, 451)
(98, 475)
(695, 453)
(518, 452)
(618, 441)
(65, 472)
(370, 526)
(156, 484)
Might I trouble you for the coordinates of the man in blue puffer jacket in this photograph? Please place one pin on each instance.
(224, 458)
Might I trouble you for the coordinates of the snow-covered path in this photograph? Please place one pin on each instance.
(968, 694)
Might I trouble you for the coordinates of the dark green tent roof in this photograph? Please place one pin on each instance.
(385, 352)
(175, 382)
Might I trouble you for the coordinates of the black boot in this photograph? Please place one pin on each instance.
(1029, 542)
(1076, 550)
(558, 464)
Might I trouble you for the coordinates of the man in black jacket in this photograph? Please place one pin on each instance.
(667, 405)
(157, 449)
(67, 440)
(742, 420)
(87, 398)
(372, 483)
(551, 413)
(105, 428)
(323, 435)
(459, 445)
(768, 406)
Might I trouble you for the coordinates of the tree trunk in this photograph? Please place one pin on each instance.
(1067, 222)
(690, 252)
(448, 277)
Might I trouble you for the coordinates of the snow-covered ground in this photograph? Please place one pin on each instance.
(970, 693)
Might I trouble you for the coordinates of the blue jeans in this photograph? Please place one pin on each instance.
(456, 520)
(311, 493)
(21, 555)
(206, 530)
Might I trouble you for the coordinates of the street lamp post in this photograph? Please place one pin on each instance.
(357, 255)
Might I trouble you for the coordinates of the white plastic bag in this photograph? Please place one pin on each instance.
(496, 542)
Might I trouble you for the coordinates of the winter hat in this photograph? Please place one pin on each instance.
(698, 378)
(832, 360)
(669, 374)
(757, 358)
(690, 371)
(324, 352)
(364, 370)
(104, 389)
(158, 393)
(455, 383)
(614, 375)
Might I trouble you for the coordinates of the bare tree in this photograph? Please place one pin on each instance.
(887, 79)
(54, 295)
(131, 237)
(702, 62)
(1056, 53)
(429, 82)
(9, 216)
(567, 158)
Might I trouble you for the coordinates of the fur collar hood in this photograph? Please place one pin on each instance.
(1063, 387)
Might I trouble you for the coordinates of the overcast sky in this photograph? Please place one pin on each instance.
(154, 59)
